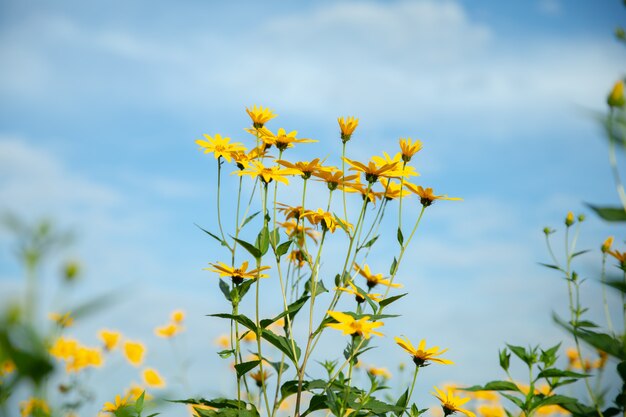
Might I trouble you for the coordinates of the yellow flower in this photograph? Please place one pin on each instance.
(569, 219)
(238, 274)
(422, 356)
(178, 316)
(84, 357)
(382, 372)
(491, 411)
(119, 403)
(242, 159)
(35, 407)
(6, 368)
(451, 403)
(427, 197)
(267, 174)
(357, 187)
(62, 320)
(152, 378)
(291, 212)
(606, 246)
(393, 189)
(357, 295)
(259, 115)
(373, 280)
(135, 392)
(333, 178)
(223, 341)
(297, 257)
(400, 170)
(298, 231)
(167, 331)
(220, 146)
(620, 256)
(249, 336)
(349, 325)
(409, 148)
(486, 396)
(372, 170)
(282, 139)
(603, 358)
(304, 168)
(134, 352)
(616, 97)
(347, 127)
(259, 377)
(325, 218)
(109, 338)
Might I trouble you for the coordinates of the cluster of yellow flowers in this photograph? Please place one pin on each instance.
(575, 361)
(172, 328)
(76, 356)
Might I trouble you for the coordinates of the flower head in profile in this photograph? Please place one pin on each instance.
(400, 169)
(297, 257)
(382, 372)
(427, 197)
(373, 279)
(134, 352)
(606, 245)
(569, 219)
(260, 377)
(372, 170)
(238, 274)
(422, 356)
(408, 147)
(298, 231)
(259, 115)
(451, 403)
(333, 178)
(290, 212)
(620, 256)
(62, 320)
(282, 140)
(267, 174)
(347, 127)
(349, 325)
(119, 403)
(304, 168)
(616, 97)
(167, 331)
(152, 378)
(325, 218)
(220, 146)
(109, 338)
(359, 296)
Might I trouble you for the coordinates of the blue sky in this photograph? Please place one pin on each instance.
(101, 104)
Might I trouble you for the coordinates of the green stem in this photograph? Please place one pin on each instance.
(607, 314)
(408, 401)
(613, 162)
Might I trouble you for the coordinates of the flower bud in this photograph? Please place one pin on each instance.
(616, 97)
(606, 246)
(569, 219)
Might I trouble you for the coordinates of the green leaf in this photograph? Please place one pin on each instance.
(245, 367)
(370, 242)
(283, 248)
(291, 387)
(319, 287)
(225, 288)
(557, 373)
(400, 236)
(579, 253)
(621, 370)
(610, 214)
(514, 399)
(494, 386)
(282, 343)
(239, 318)
(550, 266)
(602, 341)
(139, 403)
(263, 241)
(617, 284)
(555, 399)
(394, 266)
(292, 310)
(317, 402)
(521, 353)
(219, 239)
(226, 353)
(250, 217)
(253, 250)
(404, 398)
(389, 300)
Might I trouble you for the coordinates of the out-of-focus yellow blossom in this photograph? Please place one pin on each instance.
(114, 406)
(485, 410)
(616, 97)
(134, 352)
(349, 325)
(372, 170)
(35, 407)
(152, 378)
(569, 219)
(620, 256)
(84, 357)
(427, 197)
(282, 140)
(400, 170)
(178, 316)
(249, 337)
(110, 338)
(220, 146)
(135, 392)
(297, 257)
(422, 355)
(357, 295)
(7, 367)
(409, 148)
(486, 396)
(603, 357)
(551, 410)
(298, 231)
(347, 127)
(382, 372)
(259, 115)
(238, 274)
(304, 168)
(62, 320)
(259, 377)
(374, 280)
(451, 403)
(64, 348)
(168, 331)
(267, 174)
(290, 212)
(606, 246)
(223, 341)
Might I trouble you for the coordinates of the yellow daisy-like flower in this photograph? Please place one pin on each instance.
(400, 170)
(298, 231)
(64, 348)
(34, 407)
(238, 274)
(297, 257)
(304, 168)
(291, 212)
(347, 127)
(372, 171)
(373, 280)
(393, 189)
(109, 338)
(422, 356)
(282, 139)
(178, 316)
(616, 97)
(168, 331)
(243, 159)
(451, 403)
(62, 320)
(84, 357)
(349, 325)
(119, 403)
(259, 377)
(409, 148)
(259, 115)
(152, 378)
(333, 177)
(220, 146)
(134, 352)
(223, 341)
(267, 174)
(485, 410)
(357, 187)
(325, 218)
(606, 246)
(427, 197)
(357, 295)
(620, 256)
(382, 372)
